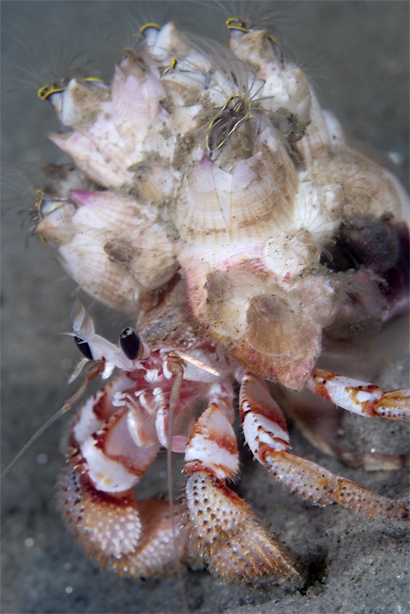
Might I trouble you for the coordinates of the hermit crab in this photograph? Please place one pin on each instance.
(211, 195)
(219, 167)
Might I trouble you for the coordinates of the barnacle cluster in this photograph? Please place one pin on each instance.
(219, 162)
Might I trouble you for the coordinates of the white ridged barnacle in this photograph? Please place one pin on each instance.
(116, 140)
(245, 203)
(288, 93)
(166, 43)
(80, 103)
(111, 246)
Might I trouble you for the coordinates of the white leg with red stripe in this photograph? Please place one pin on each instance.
(360, 397)
(222, 527)
(265, 433)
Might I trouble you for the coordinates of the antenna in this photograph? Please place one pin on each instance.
(92, 373)
(176, 368)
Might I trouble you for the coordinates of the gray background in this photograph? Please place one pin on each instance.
(356, 55)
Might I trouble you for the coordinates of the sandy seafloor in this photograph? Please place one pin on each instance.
(356, 54)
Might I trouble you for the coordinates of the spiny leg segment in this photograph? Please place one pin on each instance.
(266, 434)
(221, 524)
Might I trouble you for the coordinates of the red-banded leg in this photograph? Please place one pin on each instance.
(320, 422)
(359, 397)
(266, 434)
(110, 449)
(222, 527)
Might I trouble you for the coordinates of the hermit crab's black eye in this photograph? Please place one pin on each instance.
(84, 348)
(130, 343)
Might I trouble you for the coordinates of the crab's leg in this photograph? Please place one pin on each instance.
(359, 397)
(266, 434)
(221, 525)
(320, 422)
(97, 493)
